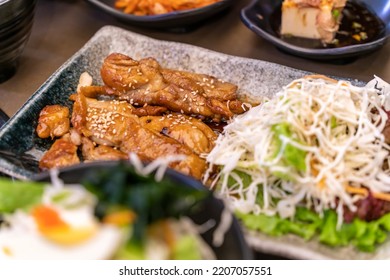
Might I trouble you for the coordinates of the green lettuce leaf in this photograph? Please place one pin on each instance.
(19, 195)
(292, 156)
(365, 236)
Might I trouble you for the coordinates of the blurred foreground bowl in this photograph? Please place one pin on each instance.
(233, 247)
(16, 20)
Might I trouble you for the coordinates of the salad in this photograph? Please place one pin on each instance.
(118, 214)
(313, 161)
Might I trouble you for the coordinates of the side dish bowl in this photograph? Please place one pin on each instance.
(179, 19)
(263, 18)
(210, 207)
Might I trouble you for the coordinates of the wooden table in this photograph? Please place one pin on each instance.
(62, 27)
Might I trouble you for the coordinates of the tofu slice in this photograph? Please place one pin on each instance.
(313, 19)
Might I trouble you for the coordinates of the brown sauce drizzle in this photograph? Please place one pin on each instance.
(216, 127)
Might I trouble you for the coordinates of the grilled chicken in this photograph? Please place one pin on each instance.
(105, 122)
(146, 82)
(93, 152)
(189, 131)
(149, 146)
(53, 121)
(62, 153)
(137, 111)
(145, 110)
(111, 123)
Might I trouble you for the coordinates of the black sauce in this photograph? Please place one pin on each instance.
(216, 127)
(359, 25)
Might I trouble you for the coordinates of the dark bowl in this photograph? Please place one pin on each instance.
(180, 19)
(263, 18)
(16, 40)
(16, 20)
(11, 9)
(234, 245)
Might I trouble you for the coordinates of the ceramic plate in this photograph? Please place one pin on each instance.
(257, 78)
(264, 18)
(178, 19)
(20, 148)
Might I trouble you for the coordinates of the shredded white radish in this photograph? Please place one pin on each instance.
(338, 128)
(223, 227)
(160, 165)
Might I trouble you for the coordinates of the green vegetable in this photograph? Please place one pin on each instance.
(356, 25)
(335, 14)
(61, 196)
(246, 179)
(150, 200)
(186, 248)
(130, 251)
(19, 195)
(292, 156)
(365, 236)
(275, 226)
(328, 233)
(333, 122)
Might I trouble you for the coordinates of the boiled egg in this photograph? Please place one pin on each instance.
(62, 227)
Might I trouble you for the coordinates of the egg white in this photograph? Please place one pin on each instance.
(21, 239)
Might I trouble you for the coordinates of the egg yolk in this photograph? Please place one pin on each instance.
(54, 228)
(120, 218)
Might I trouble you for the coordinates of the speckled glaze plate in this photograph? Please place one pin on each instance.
(18, 137)
(21, 149)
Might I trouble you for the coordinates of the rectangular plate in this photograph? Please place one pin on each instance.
(254, 77)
